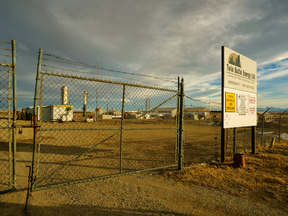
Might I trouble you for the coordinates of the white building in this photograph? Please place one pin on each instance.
(167, 112)
(53, 112)
(200, 111)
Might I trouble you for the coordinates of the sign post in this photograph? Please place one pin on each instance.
(239, 94)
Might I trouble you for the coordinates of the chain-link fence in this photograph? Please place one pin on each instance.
(90, 128)
(5, 131)
(272, 128)
(7, 120)
(202, 135)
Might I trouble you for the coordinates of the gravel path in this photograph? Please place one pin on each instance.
(138, 194)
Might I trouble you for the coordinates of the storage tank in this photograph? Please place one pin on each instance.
(99, 111)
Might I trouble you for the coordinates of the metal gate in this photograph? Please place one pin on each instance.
(87, 129)
(8, 118)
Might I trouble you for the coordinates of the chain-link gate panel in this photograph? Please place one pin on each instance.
(88, 129)
(150, 140)
(7, 121)
(5, 132)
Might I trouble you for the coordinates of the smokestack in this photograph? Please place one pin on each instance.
(107, 109)
(64, 95)
(85, 98)
(147, 105)
(85, 103)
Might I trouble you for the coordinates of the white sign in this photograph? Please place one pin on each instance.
(239, 87)
(242, 103)
(245, 114)
(240, 72)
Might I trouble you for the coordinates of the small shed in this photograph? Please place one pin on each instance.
(191, 116)
(133, 115)
(168, 112)
(103, 116)
(200, 111)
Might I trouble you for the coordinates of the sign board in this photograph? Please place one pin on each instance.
(239, 90)
(240, 72)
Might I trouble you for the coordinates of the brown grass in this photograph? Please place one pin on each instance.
(264, 177)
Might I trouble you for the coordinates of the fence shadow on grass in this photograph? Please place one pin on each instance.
(19, 209)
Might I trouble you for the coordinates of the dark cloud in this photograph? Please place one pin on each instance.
(164, 37)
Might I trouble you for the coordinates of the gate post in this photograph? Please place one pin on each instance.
(177, 124)
(14, 111)
(35, 118)
(181, 127)
(253, 137)
(121, 134)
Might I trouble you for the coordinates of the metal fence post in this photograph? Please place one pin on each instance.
(14, 112)
(223, 143)
(121, 134)
(177, 124)
(9, 129)
(263, 120)
(253, 139)
(35, 117)
(234, 141)
(280, 126)
(181, 127)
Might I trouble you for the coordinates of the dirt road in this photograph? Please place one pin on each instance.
(139, 194)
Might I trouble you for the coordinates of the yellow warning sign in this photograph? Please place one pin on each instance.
(230, 102)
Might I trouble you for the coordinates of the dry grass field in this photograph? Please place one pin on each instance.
(145, 145)
(263, 179)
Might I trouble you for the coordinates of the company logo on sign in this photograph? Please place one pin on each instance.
(234, 60)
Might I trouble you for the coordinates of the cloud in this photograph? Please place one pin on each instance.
(163, 38)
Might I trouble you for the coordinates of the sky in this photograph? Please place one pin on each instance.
(159, 38)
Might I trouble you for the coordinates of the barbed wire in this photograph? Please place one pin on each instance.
(51, 55)
(5, 49)
(44, 65)
(67, 61)
(5, 42)
(202, 101)
(9, 56)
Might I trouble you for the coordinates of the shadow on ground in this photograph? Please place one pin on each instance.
(19, 209)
